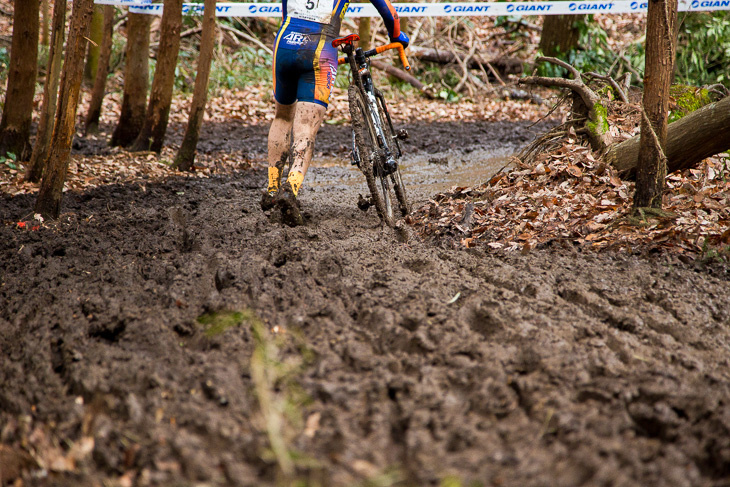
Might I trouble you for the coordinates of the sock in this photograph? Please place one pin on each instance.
(295, 178)
(274, 179)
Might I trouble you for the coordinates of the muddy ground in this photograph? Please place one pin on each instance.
(418, 364)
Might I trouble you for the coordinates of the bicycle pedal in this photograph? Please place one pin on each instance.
(402, 134)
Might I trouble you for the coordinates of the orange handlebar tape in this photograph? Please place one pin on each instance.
(388, 47)
(401, 53)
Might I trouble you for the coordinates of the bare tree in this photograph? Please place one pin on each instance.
(44, 25)
(50, 95)
(363, 30)
(136, 80)
(93, 50)
(560, 34)
(51, 192)
(661, 45)
(186, 155)
(102, 71)
(153, 130)
(22, 72)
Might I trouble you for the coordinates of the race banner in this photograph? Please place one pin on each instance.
(460, 9)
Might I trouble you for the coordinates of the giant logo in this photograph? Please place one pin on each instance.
(528, 8)
(601, 7)
(710, 3)
(637, 5)
(264, 9)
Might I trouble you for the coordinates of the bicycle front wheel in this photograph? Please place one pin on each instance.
(389, 132)
(371, 155)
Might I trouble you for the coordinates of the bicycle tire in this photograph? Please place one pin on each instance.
(366, 141)
(398, 186)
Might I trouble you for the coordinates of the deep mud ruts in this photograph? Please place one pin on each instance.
(557, 367)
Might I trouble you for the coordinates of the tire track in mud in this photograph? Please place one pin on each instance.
(550, 368)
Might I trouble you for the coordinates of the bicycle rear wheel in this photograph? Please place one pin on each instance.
(371, 155)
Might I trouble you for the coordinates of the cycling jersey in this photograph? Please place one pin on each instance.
(305, 63)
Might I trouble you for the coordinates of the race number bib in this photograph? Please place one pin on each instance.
(313, 10)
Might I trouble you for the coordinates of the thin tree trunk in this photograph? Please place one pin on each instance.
(102, 71)
(152, 135)
(661, 41)
(560, 34)
(50, 94)
(694, 137)
(44, 26)
(136, 80)
(186, 155)
(95, 34)
(363, 30)
(22, 72)
(51, 192)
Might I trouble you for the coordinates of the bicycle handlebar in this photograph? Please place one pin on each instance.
(381, 49)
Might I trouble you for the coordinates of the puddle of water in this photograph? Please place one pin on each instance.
(425, 174)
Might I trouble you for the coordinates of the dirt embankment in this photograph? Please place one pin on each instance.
(418, 362)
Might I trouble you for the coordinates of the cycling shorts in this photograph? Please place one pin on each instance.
(305, 63)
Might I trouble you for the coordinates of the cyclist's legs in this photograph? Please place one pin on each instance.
(308, 117)
(279, 135)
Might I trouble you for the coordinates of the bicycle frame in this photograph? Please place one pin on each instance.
(359, 61)
(375, 143)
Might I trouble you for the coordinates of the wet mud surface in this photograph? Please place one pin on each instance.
(420, 362)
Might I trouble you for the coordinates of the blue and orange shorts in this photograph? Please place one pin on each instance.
(305, 63)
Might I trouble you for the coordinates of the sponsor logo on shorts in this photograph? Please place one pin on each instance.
(331, 74)
(296, 39)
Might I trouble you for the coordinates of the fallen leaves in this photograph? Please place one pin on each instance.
(570, 196)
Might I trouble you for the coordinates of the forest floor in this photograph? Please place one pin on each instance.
(166, 331)
(520, 329)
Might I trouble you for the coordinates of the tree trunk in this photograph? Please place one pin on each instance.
(50, 94)
(95, 34)
(701, 134)
(363, 30)
(152, 134)
(186, 154)
(661, 41)
(44, 26)
(136, 80)
(102, 71)
(22, 71)
(51, 192)
(560, 34)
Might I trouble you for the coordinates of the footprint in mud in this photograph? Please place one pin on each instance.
(482, 316)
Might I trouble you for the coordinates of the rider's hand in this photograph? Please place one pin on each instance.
(402, 38)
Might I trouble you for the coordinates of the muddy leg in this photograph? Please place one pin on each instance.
(278, 150)
(307, 119)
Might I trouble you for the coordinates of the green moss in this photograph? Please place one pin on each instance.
(599, 125)
(606, 91)
(686, 100)
(216, 323)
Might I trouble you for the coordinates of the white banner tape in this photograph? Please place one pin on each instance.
(230, 9)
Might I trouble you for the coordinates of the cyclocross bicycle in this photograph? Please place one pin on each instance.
(376, 147)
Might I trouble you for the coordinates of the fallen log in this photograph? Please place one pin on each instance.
(697, 136)
(503, 65)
